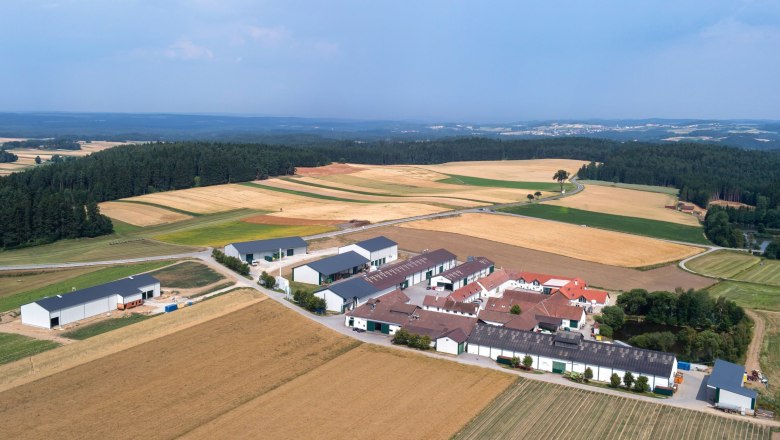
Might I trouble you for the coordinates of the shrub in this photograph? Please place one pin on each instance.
(231, 263)
(515, 310)
(308, 301)
(614, 380)
(605, 330)
(628, 379)
(401, 337)
(641, 384)
(267, 280)
(515, 362)
(528, 361)
(412, 340)
(588, 374)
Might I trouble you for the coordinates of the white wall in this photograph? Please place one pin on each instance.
(390, 254)
(355, 248)
(333, 302)
(447, 345)
(33, 314)
(231, 251)
(362, 323)
(305, 274)
(729, 398)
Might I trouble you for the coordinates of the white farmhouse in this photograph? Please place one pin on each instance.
(379, 250)
(70, 307)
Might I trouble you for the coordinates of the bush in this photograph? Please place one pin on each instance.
(401, 337)
(515, 362)
(641, 385)
(515, 310)
(231, 263)
(614, 380)
(528, 361)
(588, 374)
(308, 301)
(267, 280)
(412, 340)
(628, 379)
(605, 330)
(613, 316)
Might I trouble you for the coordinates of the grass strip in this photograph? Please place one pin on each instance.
(14, 347)
(90, 330)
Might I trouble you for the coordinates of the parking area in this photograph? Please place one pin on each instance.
(693, 390)
(417, 293)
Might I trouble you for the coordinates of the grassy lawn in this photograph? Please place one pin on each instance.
(479, 181)
(187, 275)
(722, 264)
(90, 330)
(296, 285)
(632, 225)
(229, 232)
(304, 193)
(765, 272)
(12, 283)
(770, 361)
(90, 279)
(14, 347)
(648, 188)
(754, 296)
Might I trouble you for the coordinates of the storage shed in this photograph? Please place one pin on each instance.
(349, 294)
(379, 250)
(330, 269)
(74, 306)
(725, 387)
(260, 249)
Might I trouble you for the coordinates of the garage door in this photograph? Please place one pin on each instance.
(559, 367)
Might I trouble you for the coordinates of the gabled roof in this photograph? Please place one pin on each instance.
(638, 360)
(274, 244)
(450, 305)
(123, 287)
(463, 293)
(354, 287)
(468, 268)
(494, 280)
(494, 316)
(728, 376)
(457, 335)
(376, 243)
(338, 263)
(575, 292)
(394, 274)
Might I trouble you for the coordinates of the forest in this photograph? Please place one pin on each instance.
(700, 171)
(44, 144)
(7, 156)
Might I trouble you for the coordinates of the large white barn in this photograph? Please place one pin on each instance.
(330, 269)
(568, 351)
(259, 249)
(379, 250)
(74, 306)
(725, 387)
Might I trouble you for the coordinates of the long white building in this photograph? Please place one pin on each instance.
(74, 306)
(274, 248)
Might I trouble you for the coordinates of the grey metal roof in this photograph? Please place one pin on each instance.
(395, 273)
(123, 287)
(468, 268)
(273, 244)
(638, 360)
(376, 243)
(338, 263)
(354, 287)
(728, 376)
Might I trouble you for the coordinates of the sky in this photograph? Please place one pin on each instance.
(453, 61)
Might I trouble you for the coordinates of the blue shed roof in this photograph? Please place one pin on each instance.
(728, 376)
(376, 243)
(123, 287)
(250, 247)
(355, 287)
(338, 263)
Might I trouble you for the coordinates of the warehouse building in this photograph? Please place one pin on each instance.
(272, 249)
(70, 307)
(463, 274)
(725, 387)
(349, 294)
(379, 250)
(330, 269)
(568, 351)
(417, 269)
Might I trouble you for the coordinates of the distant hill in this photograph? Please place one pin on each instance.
(752, 134)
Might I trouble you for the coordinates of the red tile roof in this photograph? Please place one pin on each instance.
(466, 292)
(494, 280)
(574, 293)
(450, 305)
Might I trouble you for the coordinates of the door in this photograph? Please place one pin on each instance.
(404, 284)
(290, 252)
(429, 275)
(250, 257)
(385, 329)
(559, 367)
(54, 322)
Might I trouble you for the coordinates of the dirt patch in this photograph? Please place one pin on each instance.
(432, 398)
(589, 244)
(335, 168)
(754, 349)
(505, 255)
(263, 219)
(72, 355)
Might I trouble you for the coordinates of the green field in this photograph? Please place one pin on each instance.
(648, 188)
(722, 264)
(21, 281)
(229, 232)
(304, 193)
(14, 347)
(187, 275)
(631, 225)
(90, 330)
(524, 411)
(749, 295)
(764, 272)
(219, 286)
(90, 279)
(479, 181)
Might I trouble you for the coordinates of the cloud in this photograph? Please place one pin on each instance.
(269, 36)
(185, 49)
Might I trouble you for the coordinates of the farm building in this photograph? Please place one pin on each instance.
(389, 313)
(81, 304)
(447, 305)
(575, 289)
(348, 294)
(725, 387)
(492, 285)
(260, 249)
(379, 250)
(417, 269)
(537, 312)
(330, 269)
(568, 351)
(468, 272)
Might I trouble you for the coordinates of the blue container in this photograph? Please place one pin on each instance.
(686, 366)
(170, 308)
(189, 303)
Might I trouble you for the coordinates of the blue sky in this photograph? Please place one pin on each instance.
(417, 60)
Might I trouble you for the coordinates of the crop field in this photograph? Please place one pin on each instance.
(493, 183)
(770, 350)
(106, 325)
(651, 188)
(388, 392)
(627, 202)
(228, 232)
(88, 279)
(753, 296)
(589, 244)
(14, 347)
(270, 359)
(140, 215)
(187, 275)
(722, 264)
(537, 170)
(27, 155)
(764, 272)
(524, 412)
(15, 282)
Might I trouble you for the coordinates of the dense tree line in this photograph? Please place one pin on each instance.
(706, 328)
(720, 231)
(413, 340)
(7, 156)
(231, 263)
(44, 144)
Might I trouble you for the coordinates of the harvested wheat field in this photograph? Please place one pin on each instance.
(334, 168)
(140, 215)
(171, 385)
(627, 202)
(387, 394)
(589, 244)
(264, 219)
(668, 277)
(536, 170)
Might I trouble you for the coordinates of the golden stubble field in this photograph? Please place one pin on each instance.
(589, 244)
(27, 155)
(140, 215)
(628, 202)
(260, 371)
(536, 170)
